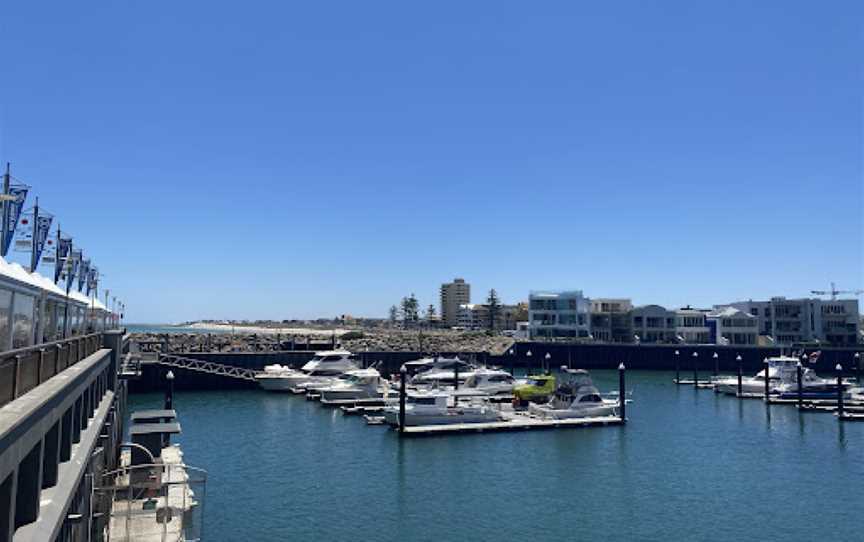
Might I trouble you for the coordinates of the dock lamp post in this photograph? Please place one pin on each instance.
(677, 367)
(857, 357)
(622, 394)
(799, 373)
(839, 369)
(528, 364)
(512, 353)
(695, 369)
(402, 374)
(169, 391)
(548, 366)
(716, 363)
(740, 374)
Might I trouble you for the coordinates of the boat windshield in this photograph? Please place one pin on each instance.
(539, 382)
(422, 400)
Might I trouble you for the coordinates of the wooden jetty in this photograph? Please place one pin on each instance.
(516, 422)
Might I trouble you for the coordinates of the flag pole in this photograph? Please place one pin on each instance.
(33, 241)
(6, 182)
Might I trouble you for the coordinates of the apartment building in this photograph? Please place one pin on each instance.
(560, 314)
(610, 320)
(453, 294)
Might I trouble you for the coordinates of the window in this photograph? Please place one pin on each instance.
(592, 398)
(51, 326)
(22, 320)
(5, 318)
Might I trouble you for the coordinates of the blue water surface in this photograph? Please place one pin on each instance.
(689, 465)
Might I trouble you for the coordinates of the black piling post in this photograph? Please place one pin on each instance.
(839, 390)
(767, 381)
(716, 364)
(695, 369)
(740, 375)
(800, 379)
(455, 378)
(169, 391)
(677, 367)
(857, 357)
(402, 375)
(622, 394)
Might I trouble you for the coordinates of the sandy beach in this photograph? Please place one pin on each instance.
(227, 328)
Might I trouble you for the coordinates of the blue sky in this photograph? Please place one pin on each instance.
(287, 159)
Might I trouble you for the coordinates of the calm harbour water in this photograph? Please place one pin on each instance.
(690, 465)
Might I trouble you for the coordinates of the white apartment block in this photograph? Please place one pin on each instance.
(563, 314)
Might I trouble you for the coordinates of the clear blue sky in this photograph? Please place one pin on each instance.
(303, 159)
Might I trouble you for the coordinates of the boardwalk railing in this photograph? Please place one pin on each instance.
(23, 369)
(209, 367)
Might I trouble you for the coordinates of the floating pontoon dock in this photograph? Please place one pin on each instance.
(515, 422)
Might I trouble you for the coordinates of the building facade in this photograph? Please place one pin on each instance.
(610, 320)
(653, 324)
(476, 316)
(691, 327)
(789, 321)
(730, 326)
(564, 314)
(454, 294)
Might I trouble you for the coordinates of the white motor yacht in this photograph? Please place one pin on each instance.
(440, 372)
(323, 367)
(575, 397)
(756, 384)
(487, 382)
(432, 407)
(356, 385)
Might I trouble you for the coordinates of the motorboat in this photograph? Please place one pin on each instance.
(780, 369)
(575, 397)
(487, 382)
(782, 381)
(324, 367)
(440, 372)
(355, 386)
(536, 388)
(434, 407)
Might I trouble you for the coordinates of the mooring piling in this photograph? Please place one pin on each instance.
(402, 375)
(799, 375)
(695, 369)
(677, 367)
(622, 394)
(767, 380)
(839, 369)
(740, 375)
(169, 390)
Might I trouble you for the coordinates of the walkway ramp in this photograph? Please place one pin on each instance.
(208, 367)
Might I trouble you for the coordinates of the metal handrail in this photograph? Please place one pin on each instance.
(23, 369)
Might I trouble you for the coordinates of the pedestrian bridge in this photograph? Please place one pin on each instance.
(202, 366)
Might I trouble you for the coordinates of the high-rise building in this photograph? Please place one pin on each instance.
(454, 294)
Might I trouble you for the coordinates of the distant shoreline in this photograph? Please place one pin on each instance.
(227, 328)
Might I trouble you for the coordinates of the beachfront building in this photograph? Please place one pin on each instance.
(454, 294)
(563, 314)
(730, 326)
(610, 320)
(476, 316)
(691, 327)
(804, 320)
(653, 324)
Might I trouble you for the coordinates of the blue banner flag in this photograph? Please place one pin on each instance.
(19, 192)
(63, 248)
(92, 280)
(75, 261)
(84, 274)
(43, 227)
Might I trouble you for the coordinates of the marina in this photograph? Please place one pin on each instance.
(743, 452)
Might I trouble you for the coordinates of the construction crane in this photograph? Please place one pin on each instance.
(834, 292)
